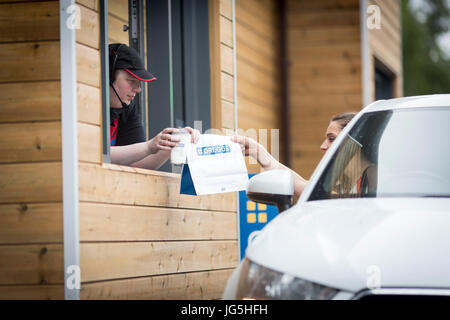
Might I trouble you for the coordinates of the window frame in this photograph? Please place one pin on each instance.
(178, 47)
(177, 44)
(135, 30)
(104, 58)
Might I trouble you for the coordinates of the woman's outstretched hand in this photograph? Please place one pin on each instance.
(255, 150)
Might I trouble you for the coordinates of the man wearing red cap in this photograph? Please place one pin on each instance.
(128, 144)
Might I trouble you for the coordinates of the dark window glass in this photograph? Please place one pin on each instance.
(384, 82)
(178, 55)
(391, 154)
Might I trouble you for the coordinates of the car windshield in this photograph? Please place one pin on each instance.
(402, 153)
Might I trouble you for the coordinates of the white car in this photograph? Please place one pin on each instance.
(374, 220)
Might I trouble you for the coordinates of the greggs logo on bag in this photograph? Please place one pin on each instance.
(214, 164)
(206, 151)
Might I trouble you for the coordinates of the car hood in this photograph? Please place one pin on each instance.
(354, 244)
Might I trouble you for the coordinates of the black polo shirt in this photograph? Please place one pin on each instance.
(126, 127)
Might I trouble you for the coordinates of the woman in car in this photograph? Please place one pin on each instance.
(259, 153)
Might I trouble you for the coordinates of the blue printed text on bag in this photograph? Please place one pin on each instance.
(207, 151)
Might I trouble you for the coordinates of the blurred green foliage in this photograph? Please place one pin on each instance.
(426, 68)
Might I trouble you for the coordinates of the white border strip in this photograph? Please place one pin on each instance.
(67, 20)
(235, 95)
(365, 54)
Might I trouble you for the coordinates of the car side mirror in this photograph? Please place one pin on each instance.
(272, 187)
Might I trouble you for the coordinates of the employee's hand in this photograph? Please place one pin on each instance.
(163, 141)
(166, 140)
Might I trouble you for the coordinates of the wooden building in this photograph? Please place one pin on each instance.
(279, 68)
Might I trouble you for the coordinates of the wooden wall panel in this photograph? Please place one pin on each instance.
(31, 292)
(116, 33)
(258, 62)
(32, 101)
(91, 4)
(89, 102)
(222, 66)
(28, 22)
(226, 31)
(227, 87)
(31, 257)
(103, 261)
(191, 286)
(148, 188)
(31, 223)
(88, 65)
(226, 59)
(227, 114)
(29, 142)
(89, 143)
(88, 86)
(324, 75)
(19, 1)
(295, 5)
(226, 9)
(118, 17)
(31, 182)
(118, 9)
(106, 222)
(89, 31)
(29, 61)
(31, 264)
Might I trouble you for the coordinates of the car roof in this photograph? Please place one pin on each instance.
(434, 100)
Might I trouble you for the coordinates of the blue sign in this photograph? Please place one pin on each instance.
(252, 217)
(208, 151)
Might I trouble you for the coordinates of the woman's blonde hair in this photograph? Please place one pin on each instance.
(343, 119)
(347, 161)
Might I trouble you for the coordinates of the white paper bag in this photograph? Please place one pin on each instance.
(216, 165)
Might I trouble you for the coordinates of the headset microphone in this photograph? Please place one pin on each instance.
(112, 70)
(124, 105)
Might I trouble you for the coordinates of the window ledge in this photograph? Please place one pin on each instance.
(116, 167)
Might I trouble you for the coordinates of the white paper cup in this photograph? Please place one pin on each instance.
(178, 153)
